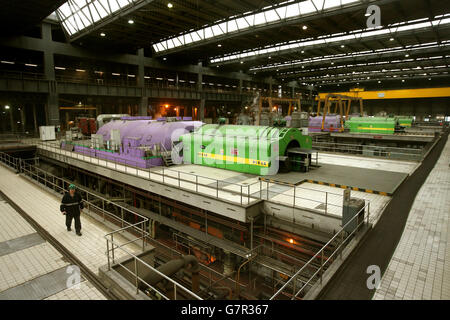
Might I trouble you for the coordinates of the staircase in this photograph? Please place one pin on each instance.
(166, 156)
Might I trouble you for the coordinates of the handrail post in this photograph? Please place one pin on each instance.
(143, 238)
(112, 246)
(217, 188)
(241, 194)
(107, 254)
(326, 202)
(174, 291)
(321, 266)
(136, 271)
(121, 215)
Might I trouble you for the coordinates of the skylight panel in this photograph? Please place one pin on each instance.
(292, 10)
(195, 36)
(242, 23)
(102, 10)
(307, 7)
(208, 33)
(64, 10)
(232, 26)
(332, 4)
(216, 30)
(170, 44)
(271, 15)
(86, 14)
(223, 27)
(78, 22)
(259, 18)
(105, 5)
(123, 3)
(94, 13)
(319, 4)
(86, 21)
(187, 39)
(114, 5)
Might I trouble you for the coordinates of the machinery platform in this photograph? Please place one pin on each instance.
(359, 179)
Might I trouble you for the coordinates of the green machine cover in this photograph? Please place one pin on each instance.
(381, 125)
(249, 149)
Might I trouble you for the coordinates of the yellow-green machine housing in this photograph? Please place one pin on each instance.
(250, 149)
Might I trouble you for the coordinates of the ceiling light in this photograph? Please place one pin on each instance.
(102, 34)
(342, 46)
(219, 45)
(403, 80)
(7, 107)
(7, 62)
(379, 81)
(270, 57)
(131, 21)
(80, 70)
(304, 27)
(242, 62)
(391, 39)
(169, 5)
(60, 68)
(31, 65)
(164, 59)
(303, 51)
(406, 55)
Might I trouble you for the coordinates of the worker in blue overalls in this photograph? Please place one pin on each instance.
(71, 205)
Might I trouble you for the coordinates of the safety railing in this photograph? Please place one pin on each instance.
(9, 160)
(188, 181)
(335, 247)
(16, 136)
(112, 246)
(322, 201)
(90, 199)
(368, 150)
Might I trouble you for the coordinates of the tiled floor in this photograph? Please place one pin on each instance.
(12, 224)
(420, 266)
(86, 291)
(21, 266)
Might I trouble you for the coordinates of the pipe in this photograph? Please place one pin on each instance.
(237, 287)
(101, 117)
(172, 267)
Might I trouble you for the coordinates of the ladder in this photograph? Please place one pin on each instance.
(166, 156)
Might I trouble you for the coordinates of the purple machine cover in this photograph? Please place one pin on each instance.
(140, 133)
(332, 123)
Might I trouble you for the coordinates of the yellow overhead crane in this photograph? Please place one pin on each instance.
(343, 102)
(395, 94)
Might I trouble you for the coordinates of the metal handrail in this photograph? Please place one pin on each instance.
(387, 152)
(215, 185)
(27, 168)
(320, 254)
(22, 166)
